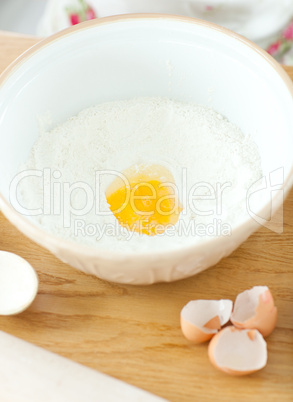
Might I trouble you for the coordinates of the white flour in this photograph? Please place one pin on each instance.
(197, 145)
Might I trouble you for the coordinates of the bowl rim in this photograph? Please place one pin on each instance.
(41, 236)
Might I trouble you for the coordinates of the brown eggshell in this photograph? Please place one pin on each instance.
(232, 355)
(255, 308)
(201, 319)
(193, 333)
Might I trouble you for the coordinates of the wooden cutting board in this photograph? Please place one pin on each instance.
(133, 333)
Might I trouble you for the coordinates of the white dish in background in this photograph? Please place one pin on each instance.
(130, 56)
(18, 284)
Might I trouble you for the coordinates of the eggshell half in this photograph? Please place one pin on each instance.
(255, 308)
(201, 319)
(18, 283)
(238, 351)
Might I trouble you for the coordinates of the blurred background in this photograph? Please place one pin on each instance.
(269, 23)
(21, 16)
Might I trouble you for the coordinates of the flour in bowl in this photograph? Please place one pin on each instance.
(212, 162)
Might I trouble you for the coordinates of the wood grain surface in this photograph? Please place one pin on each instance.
(133, 333)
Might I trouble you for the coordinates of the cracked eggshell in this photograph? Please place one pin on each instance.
(18, 284)
(238, 351)
(255, 308)
(201, 319)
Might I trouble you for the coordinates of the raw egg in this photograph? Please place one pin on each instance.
(238, 351)
(201, 319)
(255, 308)
(144, 199)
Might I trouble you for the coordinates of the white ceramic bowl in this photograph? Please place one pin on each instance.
(122, 57)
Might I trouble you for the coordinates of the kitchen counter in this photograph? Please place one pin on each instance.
(133, 333)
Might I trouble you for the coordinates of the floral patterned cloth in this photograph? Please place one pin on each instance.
(269, 23)
(282, 48)
(80, 12)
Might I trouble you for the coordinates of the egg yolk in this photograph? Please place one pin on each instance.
(144, 199)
